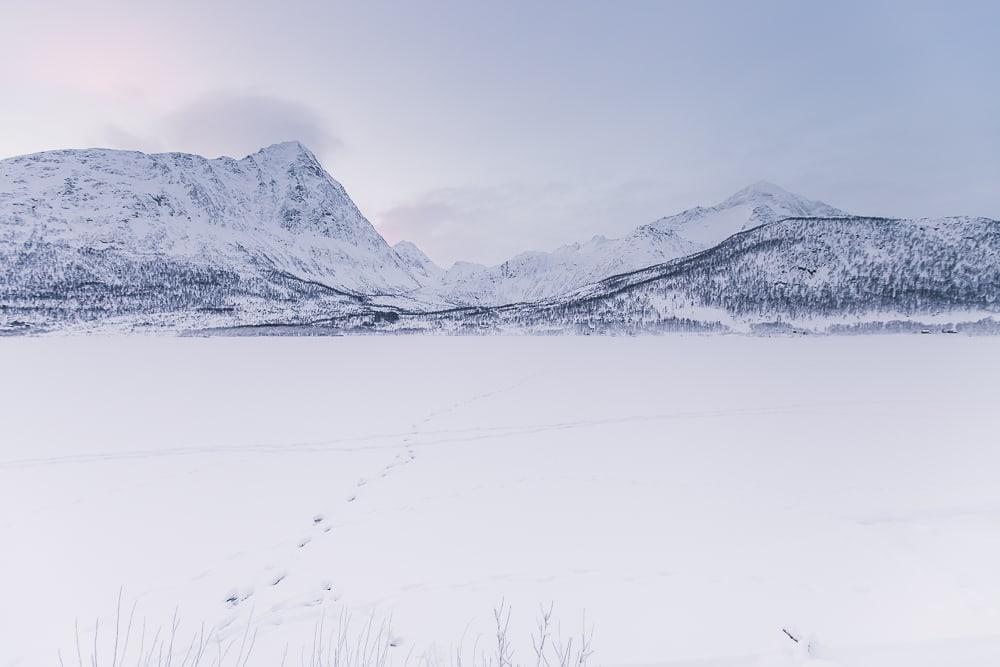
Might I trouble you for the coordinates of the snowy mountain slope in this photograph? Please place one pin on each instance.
(755, 205)
(812, 273)
(532, 276)
(805, 269)
(116, 233)
(416, 261)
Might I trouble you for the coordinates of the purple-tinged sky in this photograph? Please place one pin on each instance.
(481, 129)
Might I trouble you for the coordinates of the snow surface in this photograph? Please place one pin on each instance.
(695, 495)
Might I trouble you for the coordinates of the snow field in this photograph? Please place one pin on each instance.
(694, 495)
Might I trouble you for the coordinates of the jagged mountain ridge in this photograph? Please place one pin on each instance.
(92, 233)
(278, 204)
(532, 276)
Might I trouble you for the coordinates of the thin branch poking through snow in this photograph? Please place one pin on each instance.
(504, 651)
(538, 643)
(370, 645)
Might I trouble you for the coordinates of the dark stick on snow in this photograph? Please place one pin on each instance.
(790, 635)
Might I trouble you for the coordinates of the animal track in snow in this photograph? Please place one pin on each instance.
(319, 520)
(405, 454)
(235, 596)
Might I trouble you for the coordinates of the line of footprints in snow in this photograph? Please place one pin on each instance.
(235, 597)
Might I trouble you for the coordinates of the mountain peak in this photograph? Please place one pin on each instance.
(756, 204)
(782, 202)
(411, 250)
(415, 258)
(763, 190)
(286, 151)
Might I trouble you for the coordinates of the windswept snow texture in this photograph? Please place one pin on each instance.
(696, 495)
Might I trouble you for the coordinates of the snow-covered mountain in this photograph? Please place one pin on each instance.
(417, 262)
(99, 239)
(757, 204)
(531, 276)
(815, 274)
(88, 233)
(277, 206)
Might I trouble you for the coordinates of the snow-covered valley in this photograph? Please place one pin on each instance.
(695, 495)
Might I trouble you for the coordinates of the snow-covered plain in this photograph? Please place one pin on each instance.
(694, 495)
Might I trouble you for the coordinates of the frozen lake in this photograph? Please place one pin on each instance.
(694, 495)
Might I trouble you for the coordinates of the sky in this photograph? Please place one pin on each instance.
(481, 129)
